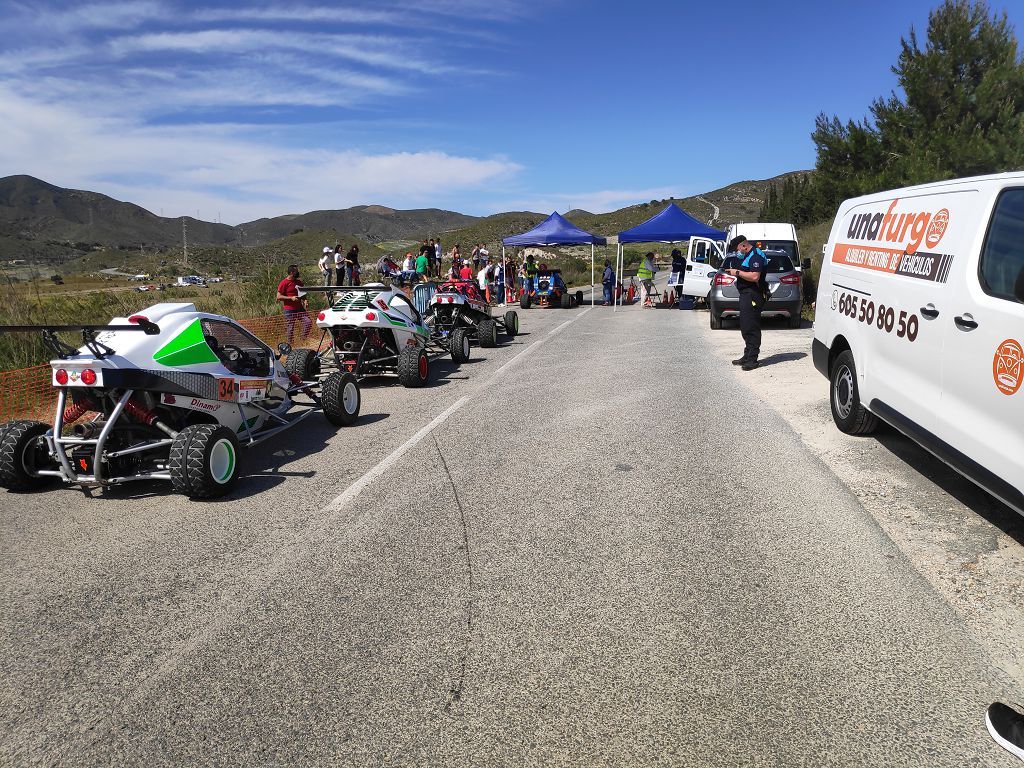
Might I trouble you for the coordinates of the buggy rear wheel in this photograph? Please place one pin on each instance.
(413, 367)
(341, 399)
(524, 301)
(487, 333)
(22, 455)
(511, 323)
(203, 462)
(304, 363)
(566, 301)
(579, 298)
(458, 345)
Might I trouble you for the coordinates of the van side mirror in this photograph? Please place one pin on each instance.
(805, 264)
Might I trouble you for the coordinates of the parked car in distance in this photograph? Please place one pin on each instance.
(784, 284)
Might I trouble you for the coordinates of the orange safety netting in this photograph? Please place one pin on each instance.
(29, 393)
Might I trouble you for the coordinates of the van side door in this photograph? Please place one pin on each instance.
(702, 258)
(982, 413)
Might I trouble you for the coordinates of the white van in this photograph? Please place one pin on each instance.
(920, 322)
(704, 256)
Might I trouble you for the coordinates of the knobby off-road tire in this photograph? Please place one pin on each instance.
(458, 345)
(20, 456)
(848, 411)
(579, 298)
(487, 333)
(524, 301)
(511, 323)
(413, 367)
(304, 363)
(566, 301)
(204, 461)
(341, 399)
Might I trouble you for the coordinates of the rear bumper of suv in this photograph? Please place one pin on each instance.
(728, 307)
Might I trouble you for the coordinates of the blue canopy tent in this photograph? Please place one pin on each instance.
(557, 230)
(672, 225)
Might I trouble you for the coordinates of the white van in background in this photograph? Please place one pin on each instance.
(920, 322)
(704, 256)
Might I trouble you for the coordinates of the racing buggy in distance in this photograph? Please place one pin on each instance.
(458, 310)
(167, 394)
(550, 290)
(376, 330)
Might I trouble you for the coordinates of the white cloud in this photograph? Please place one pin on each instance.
(219, 169)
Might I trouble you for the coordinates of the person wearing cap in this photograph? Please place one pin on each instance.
(408, 263)
(466, 273)
(325, 264)
(753, 290)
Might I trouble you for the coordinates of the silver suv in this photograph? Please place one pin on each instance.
(784, 284)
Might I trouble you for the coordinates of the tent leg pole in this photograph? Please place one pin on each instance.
(593, 284)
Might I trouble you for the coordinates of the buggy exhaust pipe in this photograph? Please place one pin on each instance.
(142, 414)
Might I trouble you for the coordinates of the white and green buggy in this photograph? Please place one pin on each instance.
(376, 330)
(167, 394)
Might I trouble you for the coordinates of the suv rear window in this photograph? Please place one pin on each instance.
(1002, 259)
(779, 262)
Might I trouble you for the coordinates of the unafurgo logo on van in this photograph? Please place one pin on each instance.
(912, 228)
(1006, 367)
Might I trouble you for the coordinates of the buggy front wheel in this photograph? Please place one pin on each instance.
(458, 345)
(511, 323)
(341, 399)
(203, 462)
(413, 367)
(487, 333)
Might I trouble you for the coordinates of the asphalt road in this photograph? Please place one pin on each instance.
(590, 546)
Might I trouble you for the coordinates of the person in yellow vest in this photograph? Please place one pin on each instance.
(646, 277)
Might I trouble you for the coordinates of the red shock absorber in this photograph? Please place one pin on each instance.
(75, 411)
(139, 412)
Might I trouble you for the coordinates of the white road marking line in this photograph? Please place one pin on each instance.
(231, 604)
(350, 493)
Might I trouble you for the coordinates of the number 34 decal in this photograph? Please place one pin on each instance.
(225, 389)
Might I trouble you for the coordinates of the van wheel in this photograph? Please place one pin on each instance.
(848, 412)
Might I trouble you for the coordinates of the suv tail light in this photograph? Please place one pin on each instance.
(792, 279)
(723, 279)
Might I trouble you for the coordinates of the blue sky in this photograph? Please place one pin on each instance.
(240, 111)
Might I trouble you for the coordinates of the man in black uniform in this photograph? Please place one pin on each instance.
(753, 290)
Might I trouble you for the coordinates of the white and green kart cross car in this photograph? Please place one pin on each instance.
(167, 394)
(377, 330)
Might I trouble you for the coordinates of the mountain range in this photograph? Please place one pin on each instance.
(41, 222)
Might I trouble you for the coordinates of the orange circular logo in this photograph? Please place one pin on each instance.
(937, 228)
(1006, 367)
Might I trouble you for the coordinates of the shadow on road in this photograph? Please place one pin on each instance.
(782, 357)
(950, 481)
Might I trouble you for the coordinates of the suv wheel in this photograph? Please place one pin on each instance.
(716, 320)
(848, 412)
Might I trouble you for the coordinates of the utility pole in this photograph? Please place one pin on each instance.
(184, 240)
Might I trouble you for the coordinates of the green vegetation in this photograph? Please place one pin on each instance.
(961, 113)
